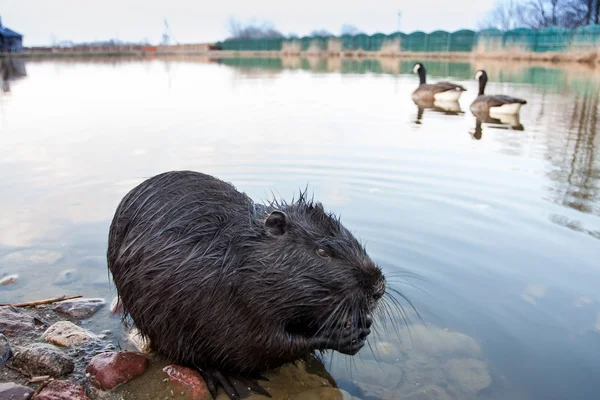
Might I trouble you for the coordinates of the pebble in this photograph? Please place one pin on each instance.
(79, 308)
(12, 391)
(109, 370)
(67, 334)
(62, 390)
(9, 280)
(188, 381)
(140, 343)
(66, 277)
(13, 322)
(42, 359)
(5, 350)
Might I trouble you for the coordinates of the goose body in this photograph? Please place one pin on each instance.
(494, 104)
(440, 91)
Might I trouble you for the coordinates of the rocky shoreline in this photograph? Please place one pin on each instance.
(46, 354)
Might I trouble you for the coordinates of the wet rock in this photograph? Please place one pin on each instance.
(8, 280)
(387, 352)
(67, 334)
(430, 392)
(325, 393)
(373, 374)
(62, 390)
(12, 391)
(79, 308)
(135, 338)
(468, 374)
(67, 277)
(5, 350)
(436, 342)
(42, 359)
(13, 322)
(116, 307)
(109, 370)
(187, 381)
(288, 381)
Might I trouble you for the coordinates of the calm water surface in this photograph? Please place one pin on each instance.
(499, 219)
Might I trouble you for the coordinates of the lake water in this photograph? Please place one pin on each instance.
(499, 220)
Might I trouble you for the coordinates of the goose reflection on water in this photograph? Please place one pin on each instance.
(438, 106)
(501, 121)
(10, 70)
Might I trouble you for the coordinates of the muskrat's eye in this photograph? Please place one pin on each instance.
(322, 252)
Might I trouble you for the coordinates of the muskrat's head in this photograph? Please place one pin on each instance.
(322, 276)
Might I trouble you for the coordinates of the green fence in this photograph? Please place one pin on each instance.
(550, 39)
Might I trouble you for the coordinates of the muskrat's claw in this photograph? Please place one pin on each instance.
(235, 388)
(255, 387)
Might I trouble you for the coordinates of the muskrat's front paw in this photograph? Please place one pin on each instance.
(236, 388)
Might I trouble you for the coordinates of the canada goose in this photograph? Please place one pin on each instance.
(443, 91)
(494, 104)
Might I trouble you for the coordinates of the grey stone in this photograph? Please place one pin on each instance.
(67, 334)
(79, 308)
(9, 280)
(43, 359)
(12, 391)
(5, 350)
(13, 322)
(67, 277)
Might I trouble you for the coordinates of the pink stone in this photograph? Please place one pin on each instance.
(109, 370)
(187, 380)
(62, 390)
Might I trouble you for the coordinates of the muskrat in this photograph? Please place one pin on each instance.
(233, 288)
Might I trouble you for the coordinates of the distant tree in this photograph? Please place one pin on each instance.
(321, 32)
(504, 16)
(252, 30)
(539, 14)
(293, 36)
(348, 29)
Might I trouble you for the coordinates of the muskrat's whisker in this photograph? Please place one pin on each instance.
(405, 298)
(392, 319)
(330, 319)
(405, 274)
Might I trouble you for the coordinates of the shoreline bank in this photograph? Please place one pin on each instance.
(590, 57)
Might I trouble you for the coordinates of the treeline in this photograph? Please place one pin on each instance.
(257, 29)
(539, 14)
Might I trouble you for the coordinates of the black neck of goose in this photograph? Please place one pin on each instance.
(422, 75)
(482, 82)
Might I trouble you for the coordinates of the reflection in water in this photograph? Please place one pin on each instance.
(577, 173)
(507, 121)
(10, 70)
(442, 107)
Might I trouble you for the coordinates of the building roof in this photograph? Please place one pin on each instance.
(9, 33)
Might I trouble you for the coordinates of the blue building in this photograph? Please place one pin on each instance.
(10, 41)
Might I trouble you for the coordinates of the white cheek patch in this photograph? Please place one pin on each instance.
(416, 68)
(478, 75)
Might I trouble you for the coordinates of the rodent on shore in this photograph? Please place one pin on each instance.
(234, 288)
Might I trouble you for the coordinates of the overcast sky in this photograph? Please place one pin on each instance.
(201, 21)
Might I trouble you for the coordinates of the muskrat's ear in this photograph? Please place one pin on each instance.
(276, 223)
